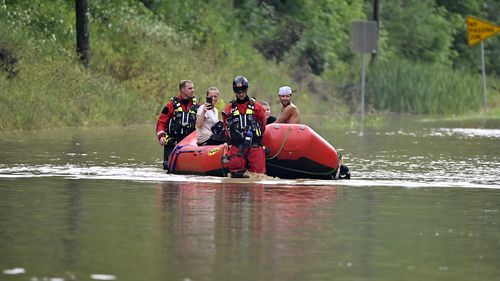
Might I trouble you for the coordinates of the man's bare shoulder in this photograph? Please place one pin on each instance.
(291, 109)
(289, 114)
(293, 114)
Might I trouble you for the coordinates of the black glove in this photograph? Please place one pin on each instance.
(218, 128)
(170, 142)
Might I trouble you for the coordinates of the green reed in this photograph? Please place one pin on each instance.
(403, 86)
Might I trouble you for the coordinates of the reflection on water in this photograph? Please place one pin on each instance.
(94, 204)
(204, 231)
(236, 228)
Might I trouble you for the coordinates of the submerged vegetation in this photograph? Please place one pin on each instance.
(141, 49)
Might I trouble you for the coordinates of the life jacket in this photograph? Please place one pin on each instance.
(241, 124)
(182, 122)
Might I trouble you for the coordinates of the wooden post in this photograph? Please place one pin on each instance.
(148, 3)
(82, 31)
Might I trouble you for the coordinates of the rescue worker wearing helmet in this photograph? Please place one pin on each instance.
(177, 119)
(245, 122)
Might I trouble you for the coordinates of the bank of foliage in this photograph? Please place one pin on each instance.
(141, 49)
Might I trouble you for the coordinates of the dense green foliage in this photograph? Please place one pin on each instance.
(141, 49)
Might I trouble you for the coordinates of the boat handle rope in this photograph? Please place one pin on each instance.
(282, 144)
(171, 168)
(300, 171)
(296, 170)
(176, 154)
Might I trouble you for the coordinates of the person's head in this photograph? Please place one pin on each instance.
(186, 88)
(285, 95)
(267, 108)
(240, 87)
(213, 93)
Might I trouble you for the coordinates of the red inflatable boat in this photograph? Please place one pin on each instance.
(294, 151)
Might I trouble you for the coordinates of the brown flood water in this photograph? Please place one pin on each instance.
(93, 204)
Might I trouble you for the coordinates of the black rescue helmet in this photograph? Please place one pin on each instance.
(240, 84)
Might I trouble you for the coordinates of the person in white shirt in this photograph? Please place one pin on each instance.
(206, 117)
(269, 117)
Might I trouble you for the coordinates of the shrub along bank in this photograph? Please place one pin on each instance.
(139, 52)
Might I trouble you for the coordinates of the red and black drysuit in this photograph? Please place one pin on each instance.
(176, 121)
(245, 121)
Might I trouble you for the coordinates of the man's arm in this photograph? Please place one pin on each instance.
(260, 115)
(226, 112)
(285, 115)
(162, 123)
(290, 115)
(295, 117)
(200, 117)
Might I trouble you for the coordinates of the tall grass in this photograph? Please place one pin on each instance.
(409, 87)
(54, 93)
(137, 60)
(136, 63)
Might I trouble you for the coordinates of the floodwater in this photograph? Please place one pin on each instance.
(93, 204)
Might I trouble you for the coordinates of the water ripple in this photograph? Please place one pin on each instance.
(467, 132)
(362, 177)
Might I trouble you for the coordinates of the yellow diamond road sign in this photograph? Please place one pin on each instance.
(478, 30)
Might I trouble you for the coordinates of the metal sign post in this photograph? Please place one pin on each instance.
(362, 94)
(483, 71)
(479, 30)
(364, 39)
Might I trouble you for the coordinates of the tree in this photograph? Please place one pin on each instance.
(432, 31)
(82, 31)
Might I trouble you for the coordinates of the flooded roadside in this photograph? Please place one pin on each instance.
(423, 203)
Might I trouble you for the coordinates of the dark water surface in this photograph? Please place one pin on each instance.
(93, 204)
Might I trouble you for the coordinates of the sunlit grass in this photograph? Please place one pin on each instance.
(402, 86)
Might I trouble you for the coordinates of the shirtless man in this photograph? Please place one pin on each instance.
(289, 113)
